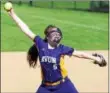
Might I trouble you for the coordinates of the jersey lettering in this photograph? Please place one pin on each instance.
(48, 59)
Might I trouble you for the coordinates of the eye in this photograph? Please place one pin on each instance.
(53, 34)
(58, 34)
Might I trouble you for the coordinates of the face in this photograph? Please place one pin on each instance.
(54, 37)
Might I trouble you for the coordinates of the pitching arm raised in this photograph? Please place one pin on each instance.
(24, 28)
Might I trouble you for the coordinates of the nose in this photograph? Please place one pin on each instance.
(57, 37)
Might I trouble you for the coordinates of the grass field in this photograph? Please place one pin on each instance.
(81, 30)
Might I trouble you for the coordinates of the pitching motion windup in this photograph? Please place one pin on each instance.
(8, 6)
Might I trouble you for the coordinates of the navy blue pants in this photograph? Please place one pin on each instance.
(64, 87)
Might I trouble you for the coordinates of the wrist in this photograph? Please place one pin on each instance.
(11, 12)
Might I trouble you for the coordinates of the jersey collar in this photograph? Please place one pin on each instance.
(50, 47)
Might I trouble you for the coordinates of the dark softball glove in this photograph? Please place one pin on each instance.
(103, 61)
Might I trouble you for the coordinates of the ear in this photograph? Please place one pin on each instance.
(47, 37)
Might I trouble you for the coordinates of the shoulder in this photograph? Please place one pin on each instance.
(39, 42)
(37, 38)
(66, 50)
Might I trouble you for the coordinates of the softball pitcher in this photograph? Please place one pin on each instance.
(51, 55)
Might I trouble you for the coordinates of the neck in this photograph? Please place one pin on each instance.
(52, 47)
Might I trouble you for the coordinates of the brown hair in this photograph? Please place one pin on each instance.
(32, 54)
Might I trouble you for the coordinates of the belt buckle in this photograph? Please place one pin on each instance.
(57, 83)
(63, 80)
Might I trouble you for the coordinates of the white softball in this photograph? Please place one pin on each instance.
(8, 6)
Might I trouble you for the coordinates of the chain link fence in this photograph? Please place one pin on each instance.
(99, 6)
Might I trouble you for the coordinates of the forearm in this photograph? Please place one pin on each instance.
(24, 28)
(85, 56)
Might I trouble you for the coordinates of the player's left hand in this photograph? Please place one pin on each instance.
(102, 62)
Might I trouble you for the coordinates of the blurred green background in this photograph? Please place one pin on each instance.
(82, 30)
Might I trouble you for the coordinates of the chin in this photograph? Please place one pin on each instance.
(56, 44)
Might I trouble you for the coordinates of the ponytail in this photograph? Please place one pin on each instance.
(32, 56)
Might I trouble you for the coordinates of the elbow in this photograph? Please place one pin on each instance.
(79, 56)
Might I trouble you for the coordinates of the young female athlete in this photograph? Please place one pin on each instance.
(51, 55)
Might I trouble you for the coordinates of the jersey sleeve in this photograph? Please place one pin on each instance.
(38, 42)
(67, 50)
